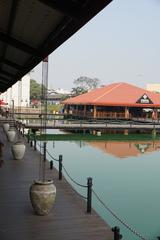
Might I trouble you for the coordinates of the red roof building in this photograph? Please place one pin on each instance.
(117, 100)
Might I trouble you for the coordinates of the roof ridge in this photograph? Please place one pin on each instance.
(108, 91)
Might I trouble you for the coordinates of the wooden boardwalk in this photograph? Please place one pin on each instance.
(68, 220)
(92, 126)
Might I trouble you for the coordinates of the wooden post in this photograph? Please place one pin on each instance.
(84, 111)
(60, 167)
(126, 113)
(89, 195)
(117, 235)
(28, 135)
(31, 143)
(51, 164)
(44, 151)
(94, 111)
(35, 142)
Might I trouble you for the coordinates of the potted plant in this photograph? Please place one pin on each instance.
(42, 195)
(11, 134)
(18, 150)
(43, 192)
(6, 127)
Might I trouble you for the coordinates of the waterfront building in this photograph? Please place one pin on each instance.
(115, 101)
(19, 93)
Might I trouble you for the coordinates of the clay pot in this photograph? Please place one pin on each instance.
(18, 150)
(11, 134)
(6, 127)
(42, 196)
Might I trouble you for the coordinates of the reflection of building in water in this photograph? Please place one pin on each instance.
(126, 149)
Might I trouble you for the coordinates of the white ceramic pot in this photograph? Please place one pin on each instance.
(11, 134)
(6, 127)
(18, 150)
(42, 196)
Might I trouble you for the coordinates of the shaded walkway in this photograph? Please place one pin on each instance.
(68, 219)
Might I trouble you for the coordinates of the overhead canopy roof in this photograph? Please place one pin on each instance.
(31, 29)
(117, 94)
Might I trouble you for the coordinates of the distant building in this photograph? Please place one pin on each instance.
(115, 101)
(19, 92)
(58, 91)
(56, 98)
(154, 87)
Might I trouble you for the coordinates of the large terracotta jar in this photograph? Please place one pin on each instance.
(6, 127)
(11, 134)
(42, 196)
(18, 150)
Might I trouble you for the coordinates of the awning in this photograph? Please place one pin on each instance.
(31, 29)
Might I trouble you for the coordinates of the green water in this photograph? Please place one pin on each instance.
(125, 175)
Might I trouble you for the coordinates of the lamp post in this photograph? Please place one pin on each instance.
(12, 108)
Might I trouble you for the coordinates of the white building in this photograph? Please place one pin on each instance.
(19, 92)
(154, 87)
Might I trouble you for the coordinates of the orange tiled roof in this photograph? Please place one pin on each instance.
(116, 94)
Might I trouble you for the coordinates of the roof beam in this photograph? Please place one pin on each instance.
(3, 82)
(11, 64)
(6, 73)
(5, 79)
(68, 8)
(17, 44)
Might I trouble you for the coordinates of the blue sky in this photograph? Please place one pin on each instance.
(120, 44)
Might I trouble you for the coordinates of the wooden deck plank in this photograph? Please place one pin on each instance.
(68, 219)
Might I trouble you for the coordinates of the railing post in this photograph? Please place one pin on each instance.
(89, 195)
(28, 135)
(31, 143)
(60, 167)
(44, 151)
(117, 235)
(51, 164)
(23, 131)
(35, 142)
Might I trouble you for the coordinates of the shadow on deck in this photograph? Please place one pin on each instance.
(68, 219)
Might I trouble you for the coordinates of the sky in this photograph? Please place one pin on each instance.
(120, 44)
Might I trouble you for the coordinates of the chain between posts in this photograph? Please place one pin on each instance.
(88, 186)
(118, 218)
(80, 185)
(89, 198)
(57, 160)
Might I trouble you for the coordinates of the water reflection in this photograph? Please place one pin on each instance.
(124, 149)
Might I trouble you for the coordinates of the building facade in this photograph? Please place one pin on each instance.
(19, 93)
(115, 101)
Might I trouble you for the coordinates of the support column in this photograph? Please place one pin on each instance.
(126, 112)
(94, 111)
(84, 110)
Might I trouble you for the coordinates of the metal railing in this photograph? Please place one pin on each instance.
(90, 192)
(89, 181)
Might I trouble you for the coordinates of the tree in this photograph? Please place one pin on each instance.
(84, 84)
(35, 90)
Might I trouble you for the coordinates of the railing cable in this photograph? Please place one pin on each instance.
(57, 160)
(118, 218)
(76, 191)
(72, 178)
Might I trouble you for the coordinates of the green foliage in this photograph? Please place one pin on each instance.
(35, 90)
(84, 84)
(90, 137)
(78, 90)
(54, 108)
